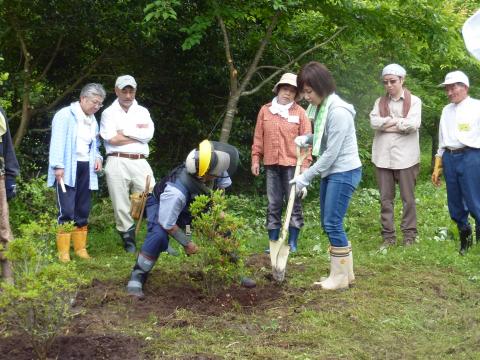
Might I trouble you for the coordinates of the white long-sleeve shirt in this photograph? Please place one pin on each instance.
(459, 126)
(136, 124)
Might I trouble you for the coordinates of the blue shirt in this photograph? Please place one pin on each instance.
(63, 148)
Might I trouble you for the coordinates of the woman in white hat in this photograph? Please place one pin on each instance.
(278, 124)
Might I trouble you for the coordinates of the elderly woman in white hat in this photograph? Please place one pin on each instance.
(278, 124)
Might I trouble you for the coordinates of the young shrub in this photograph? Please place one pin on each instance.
(34, 200)
(39, 304)
(217, 233)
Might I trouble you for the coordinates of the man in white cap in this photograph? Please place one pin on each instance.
(126, 128)
(396, 118)
(459, 153)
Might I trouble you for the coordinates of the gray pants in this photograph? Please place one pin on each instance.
(278, 191)
(406, 179)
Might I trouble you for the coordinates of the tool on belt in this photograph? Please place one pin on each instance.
(279, 249)
(137, 204)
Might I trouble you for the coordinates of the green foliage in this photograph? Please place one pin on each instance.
(39, 305)
(217, 232)
(34, 202)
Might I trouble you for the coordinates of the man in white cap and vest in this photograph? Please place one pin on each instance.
(396, 118)
(458, 155)
(126, 128)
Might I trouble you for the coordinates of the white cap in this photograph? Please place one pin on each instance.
(456, 77)
(394, 69)
(125, 80)
(471, 34)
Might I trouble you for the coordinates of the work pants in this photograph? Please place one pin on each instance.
(462, 177)
(125, 176)
(406, 179)
(156, 239)
(278, 192)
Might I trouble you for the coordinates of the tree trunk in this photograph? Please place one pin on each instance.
(26, 116)
(232, 107)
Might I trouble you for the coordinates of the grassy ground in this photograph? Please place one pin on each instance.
(408, 303)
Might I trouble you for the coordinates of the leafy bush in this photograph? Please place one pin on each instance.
(217, 232)
(34, 200)
(39, 305)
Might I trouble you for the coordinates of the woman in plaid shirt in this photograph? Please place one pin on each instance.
(278, 124)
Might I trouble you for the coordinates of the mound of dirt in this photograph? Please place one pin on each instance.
(76, 347)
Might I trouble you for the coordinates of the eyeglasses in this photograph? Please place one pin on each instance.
(95, 103)
(391, 81)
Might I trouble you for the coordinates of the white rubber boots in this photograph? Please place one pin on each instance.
(341, 269)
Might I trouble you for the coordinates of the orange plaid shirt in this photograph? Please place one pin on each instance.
(273, 140)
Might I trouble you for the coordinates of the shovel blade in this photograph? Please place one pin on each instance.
(282, 259)
(274, 249)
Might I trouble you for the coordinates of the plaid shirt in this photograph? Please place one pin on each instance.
(273, 141)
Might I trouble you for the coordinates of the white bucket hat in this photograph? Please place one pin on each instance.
(287, 78)
(471, 34)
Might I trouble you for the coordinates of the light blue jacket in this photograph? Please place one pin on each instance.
(63, 148)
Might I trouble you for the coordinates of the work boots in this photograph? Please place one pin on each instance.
(128, 238)
(79, 238)
(465, 240)
(139, 275)
(63, 246)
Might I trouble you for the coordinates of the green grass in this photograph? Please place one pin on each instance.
(419, 302)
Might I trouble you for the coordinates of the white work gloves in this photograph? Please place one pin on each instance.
(301, 141)
(301, 184)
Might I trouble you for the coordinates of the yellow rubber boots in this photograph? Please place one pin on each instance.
(63, 246)
(79, 238)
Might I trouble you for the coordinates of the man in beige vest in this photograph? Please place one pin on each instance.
(396, 118)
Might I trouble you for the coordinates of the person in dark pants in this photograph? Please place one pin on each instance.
(396, 119)
(74, 160)
(458, 156)
(278, 124)
(167, 208)
(9, 169)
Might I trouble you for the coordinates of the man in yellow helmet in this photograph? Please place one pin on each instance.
(208, 167)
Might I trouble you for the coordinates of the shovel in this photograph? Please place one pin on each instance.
(279, 249)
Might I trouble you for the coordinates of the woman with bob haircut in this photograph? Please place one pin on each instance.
(334, 143)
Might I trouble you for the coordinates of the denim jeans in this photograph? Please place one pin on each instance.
(462, 177)
(156, 239)
(336, 190)
(278, 191)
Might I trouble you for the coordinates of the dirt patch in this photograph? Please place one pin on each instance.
(162, 299)
(76, 347)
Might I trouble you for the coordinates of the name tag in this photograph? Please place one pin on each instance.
(464, 127)
(293, 119)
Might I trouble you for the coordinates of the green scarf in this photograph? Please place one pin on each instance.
(319, 118)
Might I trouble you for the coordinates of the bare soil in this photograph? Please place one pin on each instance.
(104, 307)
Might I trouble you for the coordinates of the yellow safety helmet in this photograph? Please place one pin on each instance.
(212, 158)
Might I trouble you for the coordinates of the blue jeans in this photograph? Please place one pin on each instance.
(462, 177)
(156, 239)
(336, 190)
